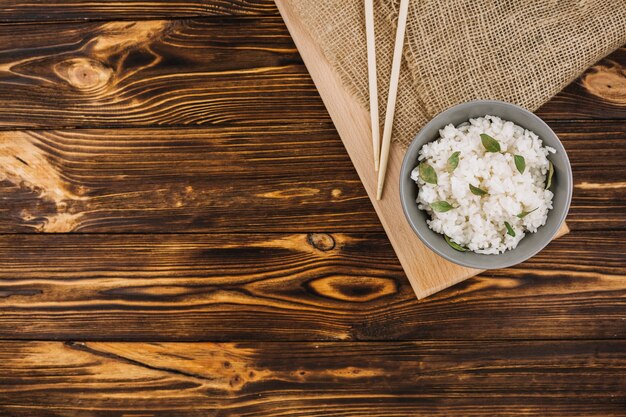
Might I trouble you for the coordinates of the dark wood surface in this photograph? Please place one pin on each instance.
(182, 233)
(294, 287)
(311, 379)
(45, 10)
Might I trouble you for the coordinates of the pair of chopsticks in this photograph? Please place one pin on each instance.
(381, 156)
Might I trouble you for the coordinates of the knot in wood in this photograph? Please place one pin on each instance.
(607, 82)
(84, 73)
(353, 289)
(321, 241)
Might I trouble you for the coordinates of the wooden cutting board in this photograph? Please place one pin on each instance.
(427, 271)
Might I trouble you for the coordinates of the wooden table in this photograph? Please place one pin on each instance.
(207, 263)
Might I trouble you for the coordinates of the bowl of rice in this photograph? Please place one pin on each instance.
(486, 184)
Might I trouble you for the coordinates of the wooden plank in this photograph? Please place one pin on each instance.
(42, 10)
(594, 149)
(237, 179)
(183, 72)
(296, 287)
(600, 93)
(192, 287)
(306, 379)
(427, 272)
(191, 180)
(194, 72)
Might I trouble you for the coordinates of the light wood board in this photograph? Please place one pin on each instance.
(427, 271)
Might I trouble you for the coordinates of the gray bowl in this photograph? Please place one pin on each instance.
(532, 242)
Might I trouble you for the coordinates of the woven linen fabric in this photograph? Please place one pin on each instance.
(523, 52)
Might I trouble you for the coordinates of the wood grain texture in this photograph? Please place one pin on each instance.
(296, 287)
(193, 72)
(594, 149)
(45, 10)
(182, 72)
(180, 180)
(306, 379)
(256, 178)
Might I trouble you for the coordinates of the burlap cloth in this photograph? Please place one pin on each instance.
(520, 51)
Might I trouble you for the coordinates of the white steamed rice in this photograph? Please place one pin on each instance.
(477, 222)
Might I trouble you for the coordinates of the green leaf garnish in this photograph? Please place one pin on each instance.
(441, 206)
(427, 173)
(550, 174)
(490, 144)
(526, 213)
(520, 163)
(509, 229)
(476, 190)
(454, 245)
(453, 161)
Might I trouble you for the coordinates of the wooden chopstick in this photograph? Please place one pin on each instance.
(393, 94)
(373, 79)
